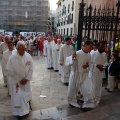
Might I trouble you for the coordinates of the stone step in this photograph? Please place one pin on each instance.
(109, 106)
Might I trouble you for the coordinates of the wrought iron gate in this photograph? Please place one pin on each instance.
(101, 24)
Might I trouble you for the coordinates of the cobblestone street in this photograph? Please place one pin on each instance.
(47, 82)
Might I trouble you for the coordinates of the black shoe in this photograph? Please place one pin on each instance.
(51, 68)
(109, 91)
(71, 106)
(116, 87)
(56, 70)
(86, 109)
(48, 68)
(66, 84)
(6, 86)
(106, 88)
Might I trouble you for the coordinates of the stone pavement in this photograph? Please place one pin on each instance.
(55, 106)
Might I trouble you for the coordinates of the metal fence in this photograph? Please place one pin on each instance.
(101, 24)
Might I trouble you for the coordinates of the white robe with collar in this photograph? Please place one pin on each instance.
(65, 51)
(19, 68)
(48, 52)
(4, 47)
(56, 57)
(96, 74)
(80, 81)
(5, 59)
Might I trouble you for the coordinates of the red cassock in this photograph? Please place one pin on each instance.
(40, 44)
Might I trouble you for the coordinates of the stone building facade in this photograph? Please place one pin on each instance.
(24, 15)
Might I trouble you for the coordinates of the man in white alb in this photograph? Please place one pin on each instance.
(56, 55)
(20, 70)
(80, 86)
(5, 59)
(4, 47)
(98, 63)
(48, 51)
(65, 51)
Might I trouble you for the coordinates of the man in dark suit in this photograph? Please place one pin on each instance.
(113, 71)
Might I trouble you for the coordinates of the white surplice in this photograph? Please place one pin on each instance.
(5, 58)
(56, 57)
(4, 47)
(44, 51)
(60, 67)
(80, 81)
(65, 51)
(72, 88)
(48, 53)
(96, 74)
(20, 67)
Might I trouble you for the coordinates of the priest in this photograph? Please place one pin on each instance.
(65, 51)
(20, 70)
(80, 92)
(5, 59)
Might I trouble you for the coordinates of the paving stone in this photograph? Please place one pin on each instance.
(55, 105)
(110, 118)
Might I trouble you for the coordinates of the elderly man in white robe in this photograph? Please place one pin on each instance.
(5, 59)
(48, 52)
(65, 51)
(20, 70)
(4, 47)
(80, 86)
(56, 55)
(98, 64)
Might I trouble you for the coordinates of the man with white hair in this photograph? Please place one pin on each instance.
(4, 47)
(20, 70)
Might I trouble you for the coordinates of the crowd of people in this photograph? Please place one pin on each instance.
(82, 70)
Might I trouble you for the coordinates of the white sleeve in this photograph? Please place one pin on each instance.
(61, 58)
(45, 50)
(105, 61)
(69, 61)
(11, 72)
(4, 66)
(30, 73)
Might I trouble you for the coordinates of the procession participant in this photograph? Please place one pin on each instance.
(20, 70)
(4, 47)
(48, 54)
(98, 63)
(56, 56)
(65, 51)
(80, 86)
(5, 59)
(45, 41)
